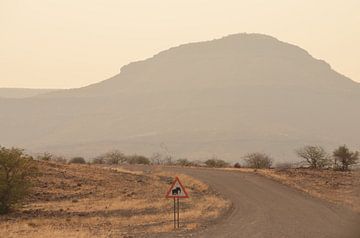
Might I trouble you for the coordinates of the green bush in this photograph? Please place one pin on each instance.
(344, 158)
(184, 162)
(16, 170)
(216, 163)
(137, 159)
(258, 161)
(77, 160)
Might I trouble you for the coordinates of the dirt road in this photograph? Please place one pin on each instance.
(263, 208)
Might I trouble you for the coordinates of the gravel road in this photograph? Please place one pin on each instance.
(263, 208)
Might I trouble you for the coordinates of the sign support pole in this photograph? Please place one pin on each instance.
(178, 213)
(174, 214)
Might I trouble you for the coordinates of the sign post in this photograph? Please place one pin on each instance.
(177, 191)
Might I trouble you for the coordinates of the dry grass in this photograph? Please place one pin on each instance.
(92, 201)
(334, 186)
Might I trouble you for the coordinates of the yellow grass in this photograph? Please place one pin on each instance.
(124, 202)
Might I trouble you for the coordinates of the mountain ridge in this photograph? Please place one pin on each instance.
(224, 97)
(227, 40)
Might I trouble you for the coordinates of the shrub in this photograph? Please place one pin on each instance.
(115, 157)
(315, 156)
(237, 165)
(258, 161)
(216, 163)
(77, 160)
(138, 159)
(184, 162)
(344, 158)
(16, 170)
(98, 160)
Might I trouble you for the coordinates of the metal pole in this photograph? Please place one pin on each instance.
(178, 215)
(174, 214)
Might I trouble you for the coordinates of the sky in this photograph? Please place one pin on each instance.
(73, 43)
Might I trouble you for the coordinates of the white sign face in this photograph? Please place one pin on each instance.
(177, 190)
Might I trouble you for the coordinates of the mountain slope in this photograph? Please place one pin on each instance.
(241, 93)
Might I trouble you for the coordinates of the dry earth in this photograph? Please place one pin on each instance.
(334, 186)
(92, 201)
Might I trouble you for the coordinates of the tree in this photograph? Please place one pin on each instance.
(16, 170)
(115, 157)
(345, 157)
(258, 161)
(315, 156)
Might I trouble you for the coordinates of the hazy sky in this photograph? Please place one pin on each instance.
(72, 43)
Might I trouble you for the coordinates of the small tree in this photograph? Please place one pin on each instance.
(115, 157)
(315, 156)
(16, 169)
(258, 161)
(77, 160)
(344, 158)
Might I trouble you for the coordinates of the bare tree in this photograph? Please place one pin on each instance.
(258, 161)
(315, 156)
(115, 157)
(156, 159)
(345, 157)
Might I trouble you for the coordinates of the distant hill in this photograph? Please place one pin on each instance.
(225, 97)
(22, 92)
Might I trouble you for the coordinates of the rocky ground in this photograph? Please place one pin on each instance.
(92, 201)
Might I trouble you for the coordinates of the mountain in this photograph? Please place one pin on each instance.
(225, 97)
(22, 92)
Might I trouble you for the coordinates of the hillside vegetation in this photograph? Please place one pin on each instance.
(76, 200)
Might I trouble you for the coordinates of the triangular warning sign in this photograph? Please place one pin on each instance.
(177, 190)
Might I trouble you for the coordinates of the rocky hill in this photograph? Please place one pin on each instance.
(225, 97)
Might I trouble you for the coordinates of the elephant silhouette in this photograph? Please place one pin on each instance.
(176, 191)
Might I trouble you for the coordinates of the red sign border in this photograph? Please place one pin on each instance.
(182, 186)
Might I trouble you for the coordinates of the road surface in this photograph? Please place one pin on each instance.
(263, 208)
